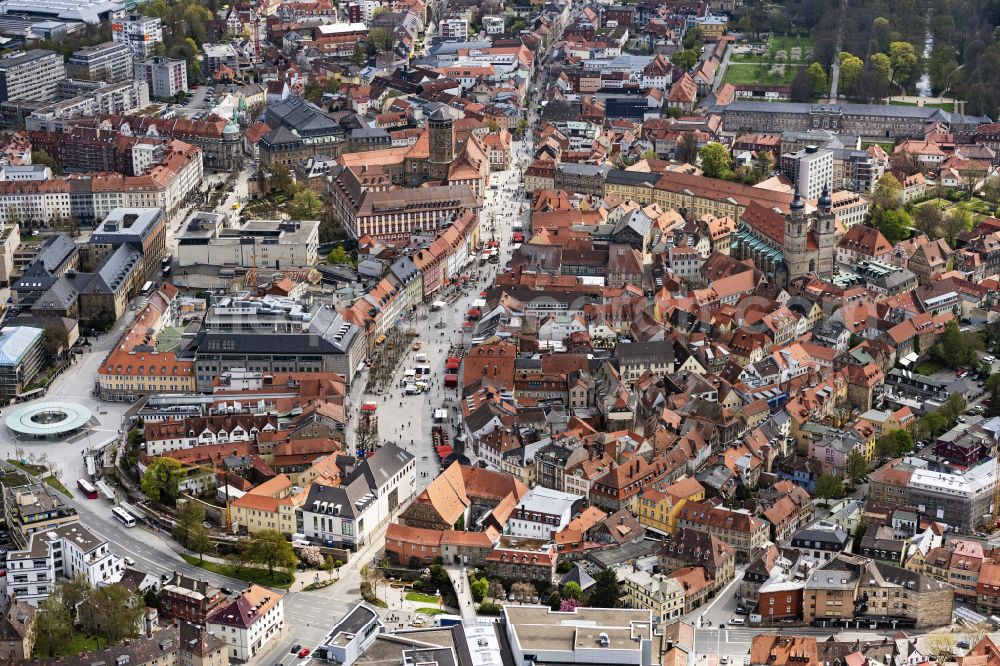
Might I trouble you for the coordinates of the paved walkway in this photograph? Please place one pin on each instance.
(460, 582)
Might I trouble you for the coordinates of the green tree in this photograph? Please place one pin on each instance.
(162, 480)
(932, 424)
(71, 592)
(927, 220)
(685, 59)
(990, 189)
(340, 256)
(55, 339)
(895, 225)
(554, 600)
(479, 588)
(189, 514)
(888, 193)
(820, 84)
(850, 70)
(687, 148)
(572, 590)
(952, 348)
(881, 65)
(52, 626)
(855, 467)
(958, 219)
(305, 205)
(120, 611)
(715, 161)
(270, 548)
(829, 486)
(606, 591)
(198, 540)
(41, 157)
(693, 40)
(953, 407)
(904, 58)
(941, 66)
(380, 40)
(281, 180)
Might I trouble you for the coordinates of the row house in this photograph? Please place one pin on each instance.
(746, 534)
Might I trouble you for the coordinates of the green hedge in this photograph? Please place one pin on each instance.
(369, 595)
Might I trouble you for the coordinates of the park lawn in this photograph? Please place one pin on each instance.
(940, 203)
(887, 146)
(280, 579)
(981, 206)
(739, 74)
(421, 597)
(781, 43)
(945, 106)
(432, 611)
(75, 644)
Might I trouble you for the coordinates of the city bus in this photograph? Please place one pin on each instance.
(124, 516)
(86, 488)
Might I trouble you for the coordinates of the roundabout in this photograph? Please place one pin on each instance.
(48, 420)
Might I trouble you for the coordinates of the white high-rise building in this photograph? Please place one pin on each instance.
(140, 32)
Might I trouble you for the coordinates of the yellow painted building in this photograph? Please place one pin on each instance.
(657, 510)
(655, 592)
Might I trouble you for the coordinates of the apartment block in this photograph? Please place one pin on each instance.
(110, 62)
(165, 76)
(31, 76)
(140, 33)
(810, 169)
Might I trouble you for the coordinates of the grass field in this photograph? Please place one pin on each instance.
(940, 203)
(946, 106)
(887, 146)
(743, 74)
(777, 43)
(249, 574)
(432, 611)
(421, 597)
(75, 644)
(927, 368)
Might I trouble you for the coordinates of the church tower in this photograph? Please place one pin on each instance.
(441, 149)
(825, 230)
(795, 247)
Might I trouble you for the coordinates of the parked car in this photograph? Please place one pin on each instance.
(304, 652)
(295, 648)
(737, 620)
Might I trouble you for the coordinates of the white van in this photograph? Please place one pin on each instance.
(421, 358)
(737, 620)
(411, 389)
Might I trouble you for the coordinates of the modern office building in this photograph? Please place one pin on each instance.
(278, 244)
(275, 335)
(21, 356)
(31, 76)
(140, 33)
(110, 62)
(623, 636)
(810, 170)
(166, 77)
